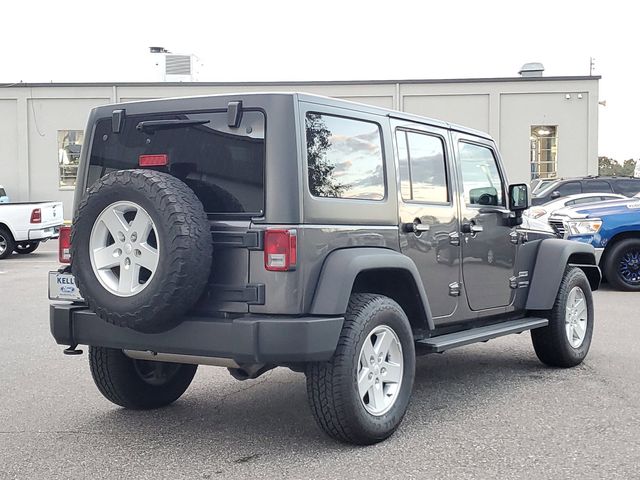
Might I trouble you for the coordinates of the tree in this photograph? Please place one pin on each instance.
(610, 167)
(321, 181)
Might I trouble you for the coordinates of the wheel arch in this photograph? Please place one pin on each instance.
(554, 255)
(372, 270)
(8, 228)
(615, 239)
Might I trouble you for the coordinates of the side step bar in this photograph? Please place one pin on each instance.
(481, 334)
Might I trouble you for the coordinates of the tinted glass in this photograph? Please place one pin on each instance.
(569, 188)
(224, 166)
(344, 158)
(579, 201)
(596, 186)
(426, 174)
(627, 186)
(2, 192)
(480, 175)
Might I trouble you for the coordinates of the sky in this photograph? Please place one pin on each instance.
(83, 41)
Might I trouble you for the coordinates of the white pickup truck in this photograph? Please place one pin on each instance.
(24, 225)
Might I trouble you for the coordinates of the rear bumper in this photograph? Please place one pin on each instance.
(44, 233)
(249, 339)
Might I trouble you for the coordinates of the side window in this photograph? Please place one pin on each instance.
(423, 174)
(344, 158)
(569, 188)
(628, 187)
(596, 186)
(481, 179)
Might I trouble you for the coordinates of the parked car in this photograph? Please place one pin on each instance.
(539, 183)
(542, 212)
(627, 186)
(24, 225)
(4, 198)
(200, 237)
(613, 229)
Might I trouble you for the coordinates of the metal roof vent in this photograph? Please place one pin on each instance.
(178, 64)
(533, 69)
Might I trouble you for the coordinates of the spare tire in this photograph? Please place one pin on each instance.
(141, 249)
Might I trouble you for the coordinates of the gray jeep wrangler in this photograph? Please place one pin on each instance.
(252, 231)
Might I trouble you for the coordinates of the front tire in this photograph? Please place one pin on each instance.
(622, 266)
(138, 384)
(566, 340)
(362, 393)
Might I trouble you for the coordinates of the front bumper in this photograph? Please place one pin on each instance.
(251, 339)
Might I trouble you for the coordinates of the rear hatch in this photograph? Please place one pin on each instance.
(222, 164)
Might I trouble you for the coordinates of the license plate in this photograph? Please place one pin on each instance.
(62, 286)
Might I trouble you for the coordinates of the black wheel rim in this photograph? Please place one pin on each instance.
(156, 373)
(629, 266)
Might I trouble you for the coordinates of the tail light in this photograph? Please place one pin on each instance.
(64, 244)
(280, 250)
(36, 215)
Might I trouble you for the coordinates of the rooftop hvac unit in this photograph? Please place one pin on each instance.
(178, 65)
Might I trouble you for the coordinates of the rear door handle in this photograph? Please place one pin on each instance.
(471, 228)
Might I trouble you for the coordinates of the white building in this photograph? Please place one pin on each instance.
(544, 126)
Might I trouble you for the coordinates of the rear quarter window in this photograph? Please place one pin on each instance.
(344, 158)
(628, 186)
(2, 192)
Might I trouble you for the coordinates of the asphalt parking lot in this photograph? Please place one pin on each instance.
(485, 411)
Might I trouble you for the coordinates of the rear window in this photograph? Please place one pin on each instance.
(628, 186)
(223, 166)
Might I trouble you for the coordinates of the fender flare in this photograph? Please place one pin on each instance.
(341, 268)
(551, 262)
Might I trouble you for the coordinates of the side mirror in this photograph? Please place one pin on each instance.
(555, 194)
(518, 197)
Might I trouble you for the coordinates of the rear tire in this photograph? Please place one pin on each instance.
(622, 265)
(24, 248)
(138, 384)
(566, 340)
(334, 387)
(7, 244)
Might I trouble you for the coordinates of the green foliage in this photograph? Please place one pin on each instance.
(608, 166)
(321, 180)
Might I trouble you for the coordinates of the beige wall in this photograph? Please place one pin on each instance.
(30, 117)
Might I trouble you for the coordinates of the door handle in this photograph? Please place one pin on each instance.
(416, 227)
(471, 228)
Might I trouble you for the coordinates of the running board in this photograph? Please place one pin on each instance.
(481, 334)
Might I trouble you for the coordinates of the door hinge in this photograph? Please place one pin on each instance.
(454, 289)
(454, 239)
(514, 237)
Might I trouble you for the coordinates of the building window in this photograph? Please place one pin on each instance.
(423, 176)
(344, 158)
(544, 151)
(69, 145)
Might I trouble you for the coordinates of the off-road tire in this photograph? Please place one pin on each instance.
(24, 248)
(612, 264)
(332, 386)
(7, 239)
(184, 258)
(551, 343)
(117, 378)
